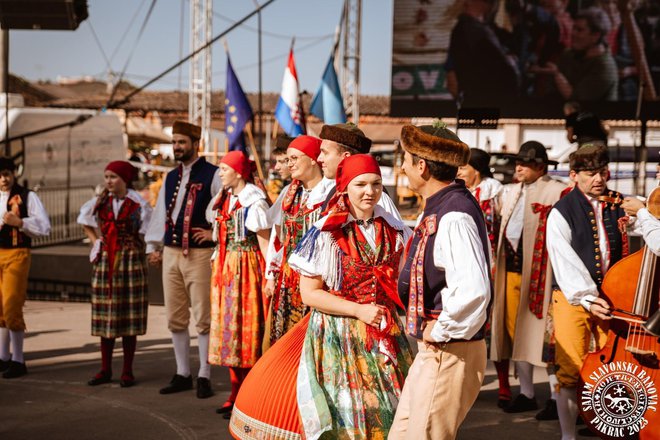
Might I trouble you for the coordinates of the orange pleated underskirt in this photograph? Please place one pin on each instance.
(266, 406)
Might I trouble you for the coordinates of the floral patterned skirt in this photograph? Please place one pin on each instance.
(347, 387)
(237, 321)
(286, 306)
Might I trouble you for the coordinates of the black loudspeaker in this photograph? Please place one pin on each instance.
(42, 14)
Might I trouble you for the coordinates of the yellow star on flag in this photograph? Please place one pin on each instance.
(230, 129)
(234, 119)
(232, 109)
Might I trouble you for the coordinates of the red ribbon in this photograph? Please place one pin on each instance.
(622, 223)
(222, 206)
(426, 228)
(187, 215)
(536, 292)
(15, 202)
(385, 276)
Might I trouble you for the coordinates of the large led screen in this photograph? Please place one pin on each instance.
(526, 58)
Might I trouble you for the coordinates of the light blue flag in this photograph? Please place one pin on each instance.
(328, 104)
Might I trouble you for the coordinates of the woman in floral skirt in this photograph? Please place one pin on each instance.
(353, 358)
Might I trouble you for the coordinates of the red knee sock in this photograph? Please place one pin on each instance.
(128, 343)
(107, 345)
(236, 376)
(502, 368)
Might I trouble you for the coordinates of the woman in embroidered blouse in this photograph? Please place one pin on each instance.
(120, 296)
(238, 215)
(351, 363)
(293, 213)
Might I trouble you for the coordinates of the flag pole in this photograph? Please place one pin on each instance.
(276, 127)
(254, 149)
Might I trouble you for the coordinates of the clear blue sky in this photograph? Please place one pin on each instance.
(48, 54)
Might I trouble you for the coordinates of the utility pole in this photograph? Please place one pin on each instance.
(260, 110)
(199, 94)
(350, 82)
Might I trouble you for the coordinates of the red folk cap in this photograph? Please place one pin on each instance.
(240, 163)
(123, 169)
(309, 145)
(353, 166)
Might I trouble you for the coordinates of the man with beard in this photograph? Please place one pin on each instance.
(176, 239)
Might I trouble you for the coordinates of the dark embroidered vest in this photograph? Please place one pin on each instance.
(580, 216)
(11, 237)
(455, 197)
(201, 173)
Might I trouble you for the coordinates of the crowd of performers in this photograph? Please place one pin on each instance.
(311, 300)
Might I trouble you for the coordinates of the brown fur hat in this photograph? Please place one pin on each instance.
(435, 143)
(283, 141)
(589, 157)
(347, 134)
(187, 129)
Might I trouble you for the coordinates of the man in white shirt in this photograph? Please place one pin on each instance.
(446, 285)
(177, 238)
(22, 217)
(585, 237)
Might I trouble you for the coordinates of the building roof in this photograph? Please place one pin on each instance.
(91, 93)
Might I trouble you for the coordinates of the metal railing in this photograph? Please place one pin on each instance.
(63, 205)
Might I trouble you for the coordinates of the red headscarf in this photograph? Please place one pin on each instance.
(309, 145)
(240, 163)
(123, 169)
(348, 169)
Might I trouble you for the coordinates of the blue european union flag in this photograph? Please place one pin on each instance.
(327, 104)
(237, 110)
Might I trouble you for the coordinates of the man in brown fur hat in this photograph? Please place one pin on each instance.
(446, 285)
(339, 142)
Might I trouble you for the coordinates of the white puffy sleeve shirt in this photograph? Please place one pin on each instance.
(37, 223)
(459, 251)
(86, 216)
(650, 230)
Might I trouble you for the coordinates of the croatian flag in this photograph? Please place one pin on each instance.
(289, 108)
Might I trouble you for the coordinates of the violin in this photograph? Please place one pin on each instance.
(618, 386)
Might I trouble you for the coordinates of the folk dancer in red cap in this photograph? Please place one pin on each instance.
(177, 239)
(240, 229)
(446, 285)
(121, 299)
(294, 212)
(351, 363)
(523, 278)
(22, 217)
(479, 180)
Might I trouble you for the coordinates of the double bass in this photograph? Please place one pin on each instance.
(618, 386)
